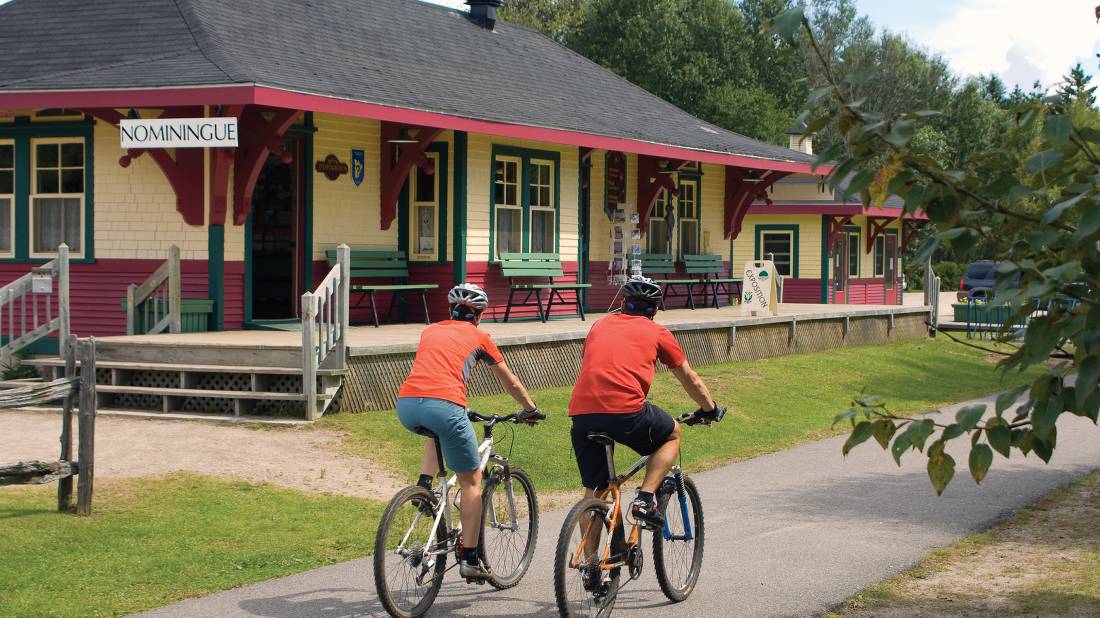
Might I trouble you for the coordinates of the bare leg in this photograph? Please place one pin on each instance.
(660, 462)
(471, 507)
(429, 461)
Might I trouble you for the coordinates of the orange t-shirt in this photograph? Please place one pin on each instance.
(619, 361)
(448, 351)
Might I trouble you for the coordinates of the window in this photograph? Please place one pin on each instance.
(657, 240)
(779, 247)
(57, 195)
(507, 206)
(854, 255)
(880, 256)
(689, 218)
(7, 196)
(425, 193)
(540, 191)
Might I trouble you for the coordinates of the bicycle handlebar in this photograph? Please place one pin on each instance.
(701, 416)
(518, 418)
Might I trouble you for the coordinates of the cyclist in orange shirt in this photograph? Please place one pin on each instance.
(617, 369)
(433, 397)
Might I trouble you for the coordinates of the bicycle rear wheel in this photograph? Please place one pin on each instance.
(509, 526)
(407, 570)
(678, 547)
(581, 586)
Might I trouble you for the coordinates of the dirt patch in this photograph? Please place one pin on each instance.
(1044, 561)
(301, 458)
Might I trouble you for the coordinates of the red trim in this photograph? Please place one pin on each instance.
(836, 226)
(835, 209)
(259, 137)
(876, 226)
(741, 193)
(650, 183)
(395, 173)
(184, 172)
(909, 229)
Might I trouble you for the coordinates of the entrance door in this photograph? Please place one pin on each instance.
(890, 271)
(840, 269)
(276, 221)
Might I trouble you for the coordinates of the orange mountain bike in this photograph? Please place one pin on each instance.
(594, 547)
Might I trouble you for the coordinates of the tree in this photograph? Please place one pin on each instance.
(1044, 181)
(1075, 86)
(993, 89)
(557, 19)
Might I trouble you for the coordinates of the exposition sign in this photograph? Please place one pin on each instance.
(758, 289)
(179, 133)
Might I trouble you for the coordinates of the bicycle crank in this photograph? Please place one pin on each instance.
(634, 562)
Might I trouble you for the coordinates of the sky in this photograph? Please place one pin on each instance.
(1020, 40)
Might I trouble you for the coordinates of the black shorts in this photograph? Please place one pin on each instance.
(644, 431)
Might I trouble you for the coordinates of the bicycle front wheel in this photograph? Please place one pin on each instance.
(678, 547)
(509, 527)
(582, 585)
(408, 561)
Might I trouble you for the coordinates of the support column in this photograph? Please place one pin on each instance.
(215, 275)
(461, 143)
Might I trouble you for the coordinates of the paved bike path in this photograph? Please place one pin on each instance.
(788, 534)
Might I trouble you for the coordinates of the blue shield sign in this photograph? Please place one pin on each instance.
(358, 166)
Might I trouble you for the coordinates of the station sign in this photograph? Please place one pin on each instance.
(759, 289)
(179, 133)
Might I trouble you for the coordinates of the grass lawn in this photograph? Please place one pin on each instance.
(152, 542)
(774, 404)
(1045, 560)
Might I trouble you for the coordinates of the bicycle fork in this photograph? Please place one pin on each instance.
(677, 485)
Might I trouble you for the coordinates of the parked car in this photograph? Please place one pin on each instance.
(978, 280)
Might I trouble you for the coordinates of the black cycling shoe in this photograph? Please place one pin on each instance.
(647, 513)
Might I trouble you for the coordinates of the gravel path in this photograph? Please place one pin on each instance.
(300, 458)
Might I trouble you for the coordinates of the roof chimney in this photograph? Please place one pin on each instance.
(799, 140)
(484, 12)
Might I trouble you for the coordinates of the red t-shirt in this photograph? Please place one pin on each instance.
(619, 360)
(447, 353)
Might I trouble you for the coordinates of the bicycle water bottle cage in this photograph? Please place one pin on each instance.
(601, 438)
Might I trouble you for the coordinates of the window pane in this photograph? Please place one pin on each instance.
(72, 181)
(425, 230)
(7, 156)
(853, 255)
(72, 155)
(689, 237)
(498, 194)
(46, 155)
(5, 225)
(542, 231)
(48, 182)
(425, 186)
(7, 182)
(880, 253)
(510, 197)
(508, 230)
(779, 245)
(544, 196)
(56, 220)
(657, 238)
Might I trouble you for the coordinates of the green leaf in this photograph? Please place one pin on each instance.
(981, 457)
(1056, 128)
(1023, 439)
(968, 416)
(901, 444)
(1007, 398)
(941, 468)
(862, 431)
(1000, 436)
(786, 24)
(1044, 448)
(1088, 375)
(951, 432)
(1044, 417)
(919, 432)
(1055, 213)
(884, 430)
(1089, 225)
(850, 415)
(952, 234)
(1042, 161)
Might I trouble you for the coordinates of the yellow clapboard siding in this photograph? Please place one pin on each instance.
(788, 191)
(809, 239)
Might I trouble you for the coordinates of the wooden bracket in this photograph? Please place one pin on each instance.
(259, 137)
(876, 226)
(184, 172)
(908, 230)
(395, 171)
(836, 226)
(743, 187)
(653, 177)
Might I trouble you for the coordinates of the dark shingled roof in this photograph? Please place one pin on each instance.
(399, 53)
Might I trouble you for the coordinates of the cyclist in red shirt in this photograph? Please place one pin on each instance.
(617, 369)
(433, 397)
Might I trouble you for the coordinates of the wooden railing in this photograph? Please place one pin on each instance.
(157, 301)
(325, 318)
(932, 286)
(39, 287)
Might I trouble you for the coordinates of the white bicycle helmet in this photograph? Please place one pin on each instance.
(642, 288)
(469, 295)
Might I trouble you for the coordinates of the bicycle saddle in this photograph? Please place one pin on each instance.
(600, 438)
(424, 431)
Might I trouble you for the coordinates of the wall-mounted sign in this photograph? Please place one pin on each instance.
(331, 167)
(615, 192)
(358, 166)
(179, 133)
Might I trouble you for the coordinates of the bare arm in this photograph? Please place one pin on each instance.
(514, 387)
(694, 386)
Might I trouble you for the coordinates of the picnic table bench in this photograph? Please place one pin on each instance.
(705, 270)
(522, 268)
(370, 266)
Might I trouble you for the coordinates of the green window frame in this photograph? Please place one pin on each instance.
(689, 211)
(791, 231)
(880, 252)
(528, 187)
(410, 203)
(34, 174)
(7, 198)
(855, 253)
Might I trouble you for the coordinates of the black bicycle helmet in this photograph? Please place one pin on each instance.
(643, 288)
(469, 295)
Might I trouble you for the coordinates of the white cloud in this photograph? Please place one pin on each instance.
(1021, 40)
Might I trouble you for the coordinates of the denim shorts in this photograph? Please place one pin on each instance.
(448, 421)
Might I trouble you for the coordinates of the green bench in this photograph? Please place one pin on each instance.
(521, 268)
(656, 264)
(712, 274)
(369, 266)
